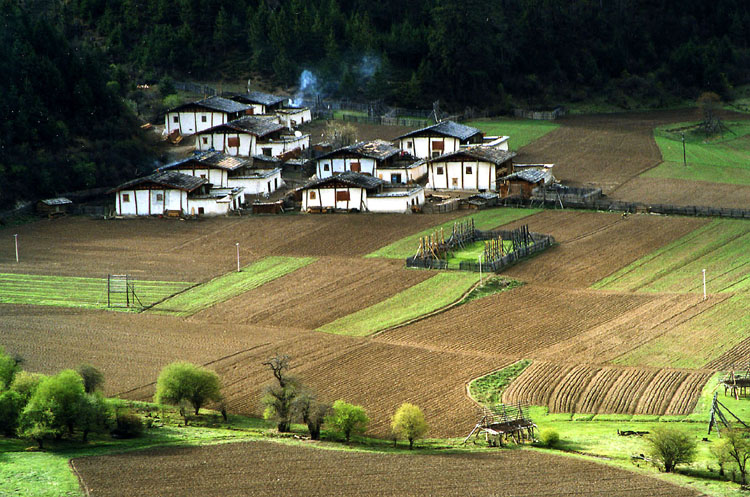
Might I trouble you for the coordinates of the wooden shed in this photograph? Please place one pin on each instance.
(53, 207)
(521, 183)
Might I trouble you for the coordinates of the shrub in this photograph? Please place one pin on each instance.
(549, 437)
(94, 414)
(182, 381)
(669, 447)
(60, 396)
(127, 425)
(347, 419)
(9, 366)
(409, 423)
(93, 379)
(312, 412)
(279, 398)
(11, 405)
(25, 384)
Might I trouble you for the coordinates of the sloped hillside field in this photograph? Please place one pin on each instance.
(262, 468)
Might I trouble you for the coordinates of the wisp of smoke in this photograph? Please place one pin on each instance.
(308, 86)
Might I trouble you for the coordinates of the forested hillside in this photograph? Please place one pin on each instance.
(469, 52)
(65, 126)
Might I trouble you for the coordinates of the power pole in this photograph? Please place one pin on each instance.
(684, 155)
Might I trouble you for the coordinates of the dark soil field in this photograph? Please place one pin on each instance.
(262, 468)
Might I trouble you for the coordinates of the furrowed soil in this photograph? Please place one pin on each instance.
(317, 294)
(196, 250)
(263, 468)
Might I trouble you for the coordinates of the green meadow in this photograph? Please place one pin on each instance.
(521, 131)
(719, 159)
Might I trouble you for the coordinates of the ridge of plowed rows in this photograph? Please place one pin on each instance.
(508, 328)
(631, 329)
(269, 469)
(736, 357)
(607, 389)
(317, 294)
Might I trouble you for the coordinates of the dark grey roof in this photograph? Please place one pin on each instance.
(248, 124)
(530, 175)
(167, 179)
(446, 128)
(258, 97)
(57, 201)
(374, 149)
(219, 104)
(357, 180)
(487, 154)
(216, 160)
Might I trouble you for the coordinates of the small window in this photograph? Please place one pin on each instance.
(355, 167)
(468, 169)
(233, 141)
(204, 119)
(325, 167)
(454, 181)
(302, 120)
(201, 210)
(126, 197)
(439, 170)
(205, 140)
(175, 119)
(342, 196)
(159, 197)
(435, 154)
(312, 195)
(267, 151)
(203, 176)
(409, 145)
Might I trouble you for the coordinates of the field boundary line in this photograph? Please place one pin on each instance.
(431, 313)
(204, 364)
(81, 482)
(145, 308)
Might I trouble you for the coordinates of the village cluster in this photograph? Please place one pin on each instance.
(244, 143)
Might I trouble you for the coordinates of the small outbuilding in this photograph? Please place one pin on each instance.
(259, 102)
(521, 183)
(53, 207)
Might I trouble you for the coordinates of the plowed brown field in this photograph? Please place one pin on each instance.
(608, 389)
(734, 358)
(683, 192)
(519, 322)
(166, 249)
(317, 294)
(262, 468)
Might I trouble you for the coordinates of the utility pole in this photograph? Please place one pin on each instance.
(479, 258)
(704, 284)
(238, 256)
(15, 237)
(684, 155)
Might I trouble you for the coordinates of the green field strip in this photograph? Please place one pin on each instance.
(230, 285)
(471, 252)
(698, 341)
(721, 159)
(76, 291)
(483, 220)
(719, 247)
(425, 297)
(521, 131)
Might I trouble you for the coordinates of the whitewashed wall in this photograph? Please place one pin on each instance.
(217, 177)
(326, 198)
(294, 119)
(279, 147)
(220, 143)
(193, 122)
(400, 204)
(254, 186)
(456, 176)
(144, 198)
(422, 146)
(340, 165)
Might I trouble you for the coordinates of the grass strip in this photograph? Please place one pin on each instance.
(432, 294)
(489, 389)
(484, 220)
(76, 291)
(230, 285)
(521, 131)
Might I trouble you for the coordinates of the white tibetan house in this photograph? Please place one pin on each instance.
(470, 169)
(442, 138)
(351, 191)
(194, 117)
(291, 117)
(173, 193)
(377, 158)
(254, 175)
(250, 136)
(259, 102)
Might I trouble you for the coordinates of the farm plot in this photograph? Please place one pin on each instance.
(230, 285)
(517, 323)
(671, 191)
(607, 389)
(264, 468)
(521, 131)
(719, 247)
(439, 291)
(317, 294)
(378, 376)
(130, 349)
(585, 258)
(198, 250)
(69, 291)
(483, 220)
